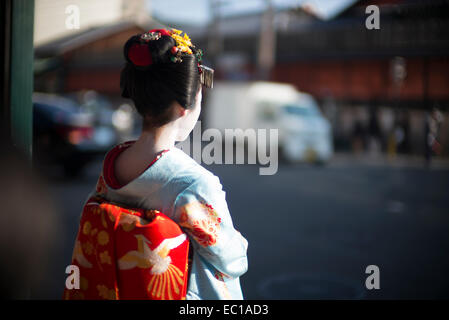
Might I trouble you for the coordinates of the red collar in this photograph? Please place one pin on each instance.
(108, 164)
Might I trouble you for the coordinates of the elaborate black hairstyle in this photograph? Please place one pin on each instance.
(162, 67)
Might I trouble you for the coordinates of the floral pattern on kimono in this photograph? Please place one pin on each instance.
(202, 221)
(202, 212)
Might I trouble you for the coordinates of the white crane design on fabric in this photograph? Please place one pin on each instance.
(157, 259)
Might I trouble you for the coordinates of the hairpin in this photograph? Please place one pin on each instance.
(149, 36)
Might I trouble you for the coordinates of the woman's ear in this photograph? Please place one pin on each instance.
(178, 110)
(182, 111)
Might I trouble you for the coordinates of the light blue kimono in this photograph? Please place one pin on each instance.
(192, 196)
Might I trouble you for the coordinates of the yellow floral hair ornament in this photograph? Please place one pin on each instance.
(183, 43)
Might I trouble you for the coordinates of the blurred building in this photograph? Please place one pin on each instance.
(373, 85)
(90, 57)
(344, 59)
(51, 16)
(390, 75)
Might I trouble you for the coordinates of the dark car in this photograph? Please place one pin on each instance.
(66, 135)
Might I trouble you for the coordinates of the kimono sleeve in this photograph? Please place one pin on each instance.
(201, 210)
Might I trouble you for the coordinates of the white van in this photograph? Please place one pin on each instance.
(304, 134)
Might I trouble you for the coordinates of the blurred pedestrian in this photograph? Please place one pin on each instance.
(403, 132)
(358, 137)
(374, 132)
(432, 128)
(29, 228)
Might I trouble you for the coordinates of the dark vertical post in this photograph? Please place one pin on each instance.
(5, 40)
(21, 74)
(426, 103)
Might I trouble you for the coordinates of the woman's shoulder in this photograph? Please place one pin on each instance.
(172, 173)
(192, 172)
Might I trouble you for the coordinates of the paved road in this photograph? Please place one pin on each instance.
(312, 231)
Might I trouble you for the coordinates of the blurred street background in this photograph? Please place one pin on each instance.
(313, 231)
(362, 112)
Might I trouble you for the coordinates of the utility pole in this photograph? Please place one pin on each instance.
(214, 45)
(267, 43)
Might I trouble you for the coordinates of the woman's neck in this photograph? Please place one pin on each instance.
(151, 142)
(134, 160)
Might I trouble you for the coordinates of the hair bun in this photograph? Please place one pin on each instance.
(152, 47)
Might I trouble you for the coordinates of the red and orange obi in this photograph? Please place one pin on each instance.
(125, 253)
